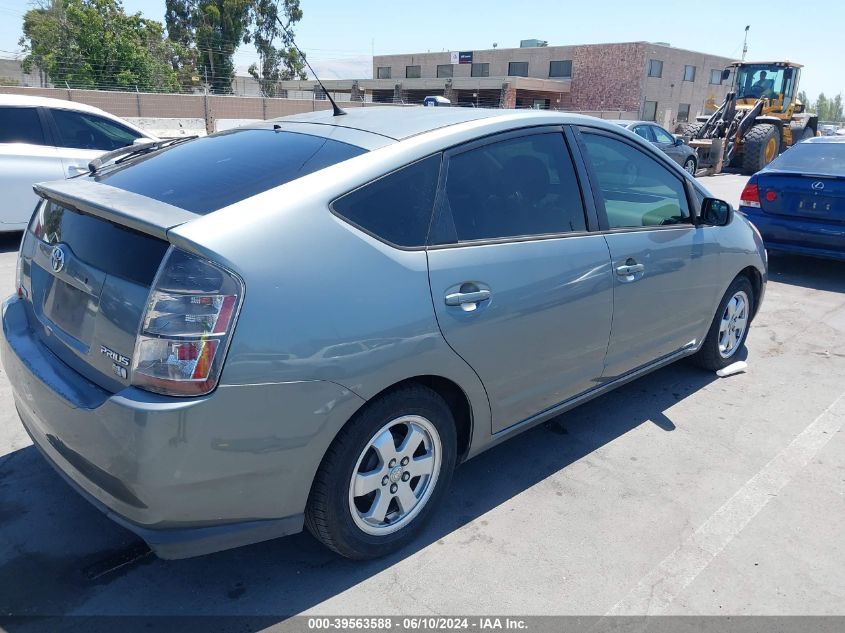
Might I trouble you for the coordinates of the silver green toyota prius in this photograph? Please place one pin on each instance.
(310, 321)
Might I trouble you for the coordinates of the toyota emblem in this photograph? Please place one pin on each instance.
(818, 185)
(57, 259)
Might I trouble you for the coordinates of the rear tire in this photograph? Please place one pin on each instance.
(371, 496)
(760, 147)
(729, 329)
(690, 166)
(688, 129)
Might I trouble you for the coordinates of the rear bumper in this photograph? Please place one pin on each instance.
(799, 236)
(190, 476)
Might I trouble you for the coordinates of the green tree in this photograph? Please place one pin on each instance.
(214, 29)
(835, 108)
(822, 107)
(802, 97)
(276, 62)
(94, 44)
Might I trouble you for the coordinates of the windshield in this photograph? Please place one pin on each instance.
(210, 173)
(813, 158)
(763, 80)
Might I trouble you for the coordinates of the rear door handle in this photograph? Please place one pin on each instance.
(463, 298)
(629, 269)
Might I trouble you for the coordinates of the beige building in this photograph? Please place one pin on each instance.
(652, 81)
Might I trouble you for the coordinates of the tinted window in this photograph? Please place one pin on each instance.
(644, 131)
(396, 208)
(412, 72)
(518, 69)
(523, 186)
(560, 69)
(81, 130)
(637, 190)
(655, 68)
(480, 70)
(213, 172)
(20, 125)
(444, 70)
(813, 158)
(650, 110)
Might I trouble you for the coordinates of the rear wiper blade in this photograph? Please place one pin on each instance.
(124, 153)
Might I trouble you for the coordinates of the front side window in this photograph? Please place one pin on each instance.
(20, 125)
(210, 173)
(637, 190)
(683, 112)
(662, 136)
(655, 68)
(754, 81)
(81, 130)
(689, 73)
(650, 111)
(480, 70)
(519, 187)
(517, 69)
(412, 72)
(561, 69)
(397, 208)
(383, 72)
(444, 71)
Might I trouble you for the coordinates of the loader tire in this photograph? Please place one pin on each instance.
(688, 129)
(760, 147)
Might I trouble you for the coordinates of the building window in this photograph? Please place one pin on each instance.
(517, 69)
(383, 72)
(444, 71)
(650, 111)
(412, 72)
(683, 113)
(689, 73)
(716, 77)
(561, 69)
(655, 68)
(480, 70)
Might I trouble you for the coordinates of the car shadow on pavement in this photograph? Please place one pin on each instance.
(59, 555)
(10, 242)
(807, 272)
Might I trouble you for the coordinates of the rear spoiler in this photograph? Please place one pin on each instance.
(116, 205)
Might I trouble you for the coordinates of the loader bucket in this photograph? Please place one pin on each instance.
(710, 155)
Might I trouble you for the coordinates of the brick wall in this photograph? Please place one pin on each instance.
(607, 76)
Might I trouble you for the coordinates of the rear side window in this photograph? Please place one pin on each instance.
(519, 187)
(80, 130)
(637, 190)
(20, 125)
(397, 208)
(213, 172)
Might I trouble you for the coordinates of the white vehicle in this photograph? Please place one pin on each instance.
(48, 139)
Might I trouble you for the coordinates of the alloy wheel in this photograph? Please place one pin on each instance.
(733, 324)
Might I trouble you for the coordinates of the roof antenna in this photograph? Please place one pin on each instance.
(338, 111)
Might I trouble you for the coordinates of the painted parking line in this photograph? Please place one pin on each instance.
(657, 589)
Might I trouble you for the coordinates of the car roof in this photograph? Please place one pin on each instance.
(825, 139)
(47, 102)
(398, 123)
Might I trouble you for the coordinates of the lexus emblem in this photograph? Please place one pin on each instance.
(818, 185)
(57, 259)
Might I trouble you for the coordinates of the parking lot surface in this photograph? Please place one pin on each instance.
(680, 493)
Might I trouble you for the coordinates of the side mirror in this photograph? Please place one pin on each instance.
(679, 141)
(715, 212)
(725, 74)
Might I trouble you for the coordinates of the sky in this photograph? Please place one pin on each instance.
(340, 36)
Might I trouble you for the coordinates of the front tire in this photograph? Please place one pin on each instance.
(729, 328)
(690, 166)
(760, 147)
(383, 475)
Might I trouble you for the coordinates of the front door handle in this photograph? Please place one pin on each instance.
(464, 298)
(629, 269)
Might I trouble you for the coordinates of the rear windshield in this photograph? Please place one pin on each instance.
(813, 158)
(213, 172)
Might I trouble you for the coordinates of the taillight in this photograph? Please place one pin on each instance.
(187, 326)
(750, 196)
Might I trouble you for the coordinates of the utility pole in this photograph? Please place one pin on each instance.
(745, 43)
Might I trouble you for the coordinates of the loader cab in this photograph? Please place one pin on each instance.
(775, 81)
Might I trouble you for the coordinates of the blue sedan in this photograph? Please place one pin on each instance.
(798, 201)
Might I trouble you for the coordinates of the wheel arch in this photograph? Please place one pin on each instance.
(756, 279)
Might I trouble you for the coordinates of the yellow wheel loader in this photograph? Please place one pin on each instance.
(759, 118)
